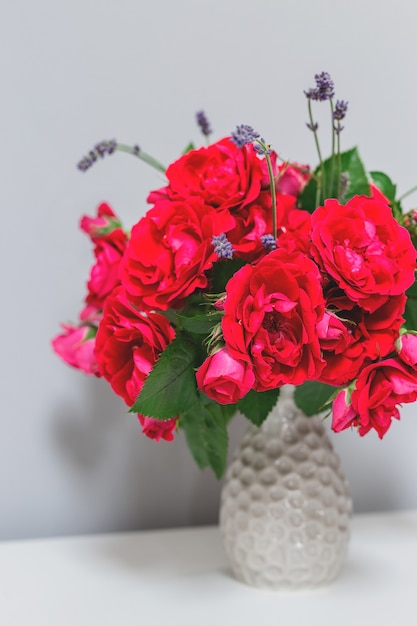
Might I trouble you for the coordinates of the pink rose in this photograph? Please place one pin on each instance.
(76, 347)
(378, 391)
(364, 249)
(91, 315)
(158, 429)
(293, 179)
(270, 319)
(406, 346)
(101, 225)
(343, 413)
(224, 378)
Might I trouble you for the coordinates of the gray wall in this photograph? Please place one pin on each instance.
(75, 72)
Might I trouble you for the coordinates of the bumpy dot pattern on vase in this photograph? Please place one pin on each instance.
(285, 506)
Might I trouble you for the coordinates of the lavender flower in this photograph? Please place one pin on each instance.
(343, 185)
(100, 150)
(338, 114)
(261, 147)
(269, 242)
(324, 89)
(203, 123)
(340, 110)
(243, 135)
(222, 246)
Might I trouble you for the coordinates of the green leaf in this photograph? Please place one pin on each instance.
(206, 434)
(312, 397)
(170, 388)
(358, 180)
(188, 148)
(351, 164)
(397, 211)
(223, 270)
(257, 405)
(410, 313)
(200, 324)
(308, 197)
(384, 184)
(387, 187)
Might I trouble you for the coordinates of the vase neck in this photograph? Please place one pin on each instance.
(287, 392)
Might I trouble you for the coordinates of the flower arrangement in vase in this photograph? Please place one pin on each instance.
(249, 272)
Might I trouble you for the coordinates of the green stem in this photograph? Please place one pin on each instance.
(320, 184)
(339, 166)
(142, 155)
(407, 193)
(333, 149)
(273, 196)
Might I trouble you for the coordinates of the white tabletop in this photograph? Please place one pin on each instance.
(181, 577)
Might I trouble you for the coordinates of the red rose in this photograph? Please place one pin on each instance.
(220, 175)
(294, 232)
(169, 253)
(379, 389)
(224, 378)
(342, 351)
(364, 249)
(110, 243)
(254, 220)
(377, 194)
(128, 344)
(352, 337)
(271, 313)
(158, 429)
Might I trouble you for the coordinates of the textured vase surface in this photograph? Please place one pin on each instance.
(285, 505)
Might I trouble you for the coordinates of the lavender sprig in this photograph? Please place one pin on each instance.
(99, 151)
(338, 115)
(343, 185)
(269, 242)
(103, 148)
(222, 246)
(244, 135)
(313, 126)
(324, 89)
(203, 123)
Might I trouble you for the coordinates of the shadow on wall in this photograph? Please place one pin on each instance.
(373, 467)
(117, 480)
(120, 480)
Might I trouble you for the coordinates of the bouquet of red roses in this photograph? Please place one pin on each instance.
(249, 272)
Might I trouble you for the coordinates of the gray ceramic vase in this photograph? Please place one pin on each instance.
(285, 504)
